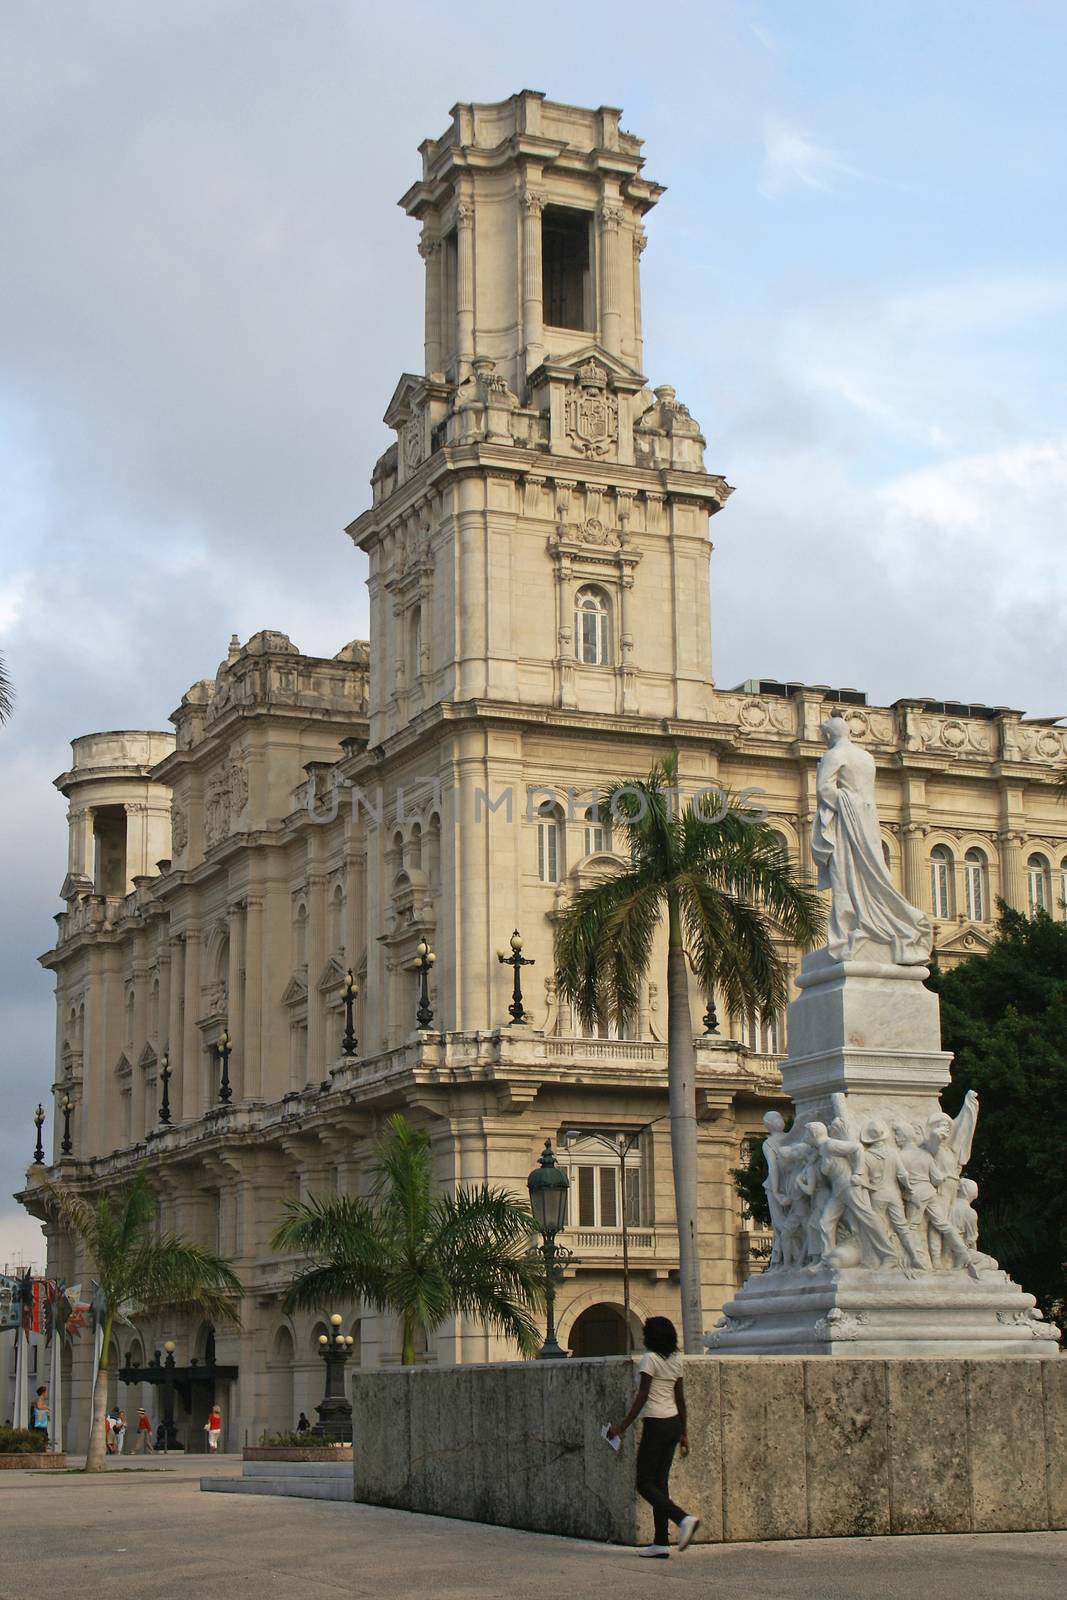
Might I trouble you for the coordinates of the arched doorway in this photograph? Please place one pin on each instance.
(599, 1331)
(280, 1411)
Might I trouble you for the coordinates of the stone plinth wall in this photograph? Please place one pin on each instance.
(781, 1447)
(32, 1461)
(270, 1452)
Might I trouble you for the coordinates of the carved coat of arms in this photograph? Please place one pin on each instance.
(592, 412)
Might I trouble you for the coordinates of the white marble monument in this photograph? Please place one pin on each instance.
(875, 1232)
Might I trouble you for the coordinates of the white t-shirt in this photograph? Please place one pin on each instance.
(664, 1372)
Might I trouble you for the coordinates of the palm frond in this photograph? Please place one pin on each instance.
(7, 692)
(604, 943)
(732, 946)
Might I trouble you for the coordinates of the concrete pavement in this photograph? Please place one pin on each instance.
(152, 1535)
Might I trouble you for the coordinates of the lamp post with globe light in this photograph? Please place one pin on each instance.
(335, 1410)
(548, 1185)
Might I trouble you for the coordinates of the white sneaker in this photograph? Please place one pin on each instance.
(686, 1529)
(658, 1552)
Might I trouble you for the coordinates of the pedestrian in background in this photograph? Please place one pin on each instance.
(120, 1432)
(213, 1427)
(661, 1396)
(144, 1431)
(41, 1415)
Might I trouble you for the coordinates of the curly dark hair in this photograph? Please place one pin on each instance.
(660, 1336)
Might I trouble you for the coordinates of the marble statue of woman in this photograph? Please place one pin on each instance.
(865, 909)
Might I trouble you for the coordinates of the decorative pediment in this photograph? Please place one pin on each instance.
(123, 1069)
(75, 884)
(333, 976)
(147, 1058)
(405, 401)
(579, 368)
(296, 991)
(969, 940)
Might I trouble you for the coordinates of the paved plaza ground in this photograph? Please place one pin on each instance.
(149, 1534)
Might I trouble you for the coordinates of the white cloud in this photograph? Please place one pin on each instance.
(791, 156)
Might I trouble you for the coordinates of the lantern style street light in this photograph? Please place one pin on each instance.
(164, 1078)
(38, 1149)
(424, 960)
(68, 1143)
(548, 1185)
(349, 991)
(620, 1145)
(335, 1412)
(224, 1048)
(516, 960)
(170, 1432)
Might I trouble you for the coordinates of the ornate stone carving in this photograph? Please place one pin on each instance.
(217, 809)
(869, 917)
(593, 531)
(179, 829)
(412, 441)
(592, 412)
(237, 773)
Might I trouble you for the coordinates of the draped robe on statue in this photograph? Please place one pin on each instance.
(846, 841)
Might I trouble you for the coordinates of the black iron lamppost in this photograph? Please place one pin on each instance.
(335, 1412)
(424, 960)
(224, 1048)
(164, 1078)
(548, 1185)
(711, 1019)
(68, 1143)
(170, 1433)
(350, 991)
(38, 1149)
(516, 960)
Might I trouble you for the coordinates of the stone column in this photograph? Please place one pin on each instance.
(173, 1043)
(465, 286)
(640, 239)
(235, 1008)
(252, 1008)
(533, 204)
(915, 866)
(611, 215)
(191, 1063)
(316, 958)
(430, 251)
(1012, 872)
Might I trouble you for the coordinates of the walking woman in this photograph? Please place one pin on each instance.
(213, 1427)
(661, 1397)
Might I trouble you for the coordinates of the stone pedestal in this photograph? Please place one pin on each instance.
(875, 1250)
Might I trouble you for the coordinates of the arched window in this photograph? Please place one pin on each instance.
(783, 844)
(337, 918)
(593, 1168)
(941, 880)
(597, 833)
(549, 844)
(1038, 889)
(433, 854)
(887, 857)
(976, 882)
(300, 937)
(591, 627)
(1063, 888)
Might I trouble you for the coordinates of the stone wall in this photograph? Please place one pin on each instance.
(781, 1447)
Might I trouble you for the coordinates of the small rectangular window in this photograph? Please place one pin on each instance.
(609, 1216)
(586, 1197)
(565, 255)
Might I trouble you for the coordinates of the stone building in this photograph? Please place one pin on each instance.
(539, 617)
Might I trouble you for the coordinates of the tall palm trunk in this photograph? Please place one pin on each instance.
(681, 1085)
(96, 1450)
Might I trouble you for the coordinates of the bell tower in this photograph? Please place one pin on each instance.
(539, 530)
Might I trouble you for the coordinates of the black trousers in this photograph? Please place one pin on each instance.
(659, 1440)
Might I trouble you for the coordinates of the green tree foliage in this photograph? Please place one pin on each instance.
(141, 1271)
(1004, 1015)
(420, 1254)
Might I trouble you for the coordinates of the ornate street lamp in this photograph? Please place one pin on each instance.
(548, 1185)
(711, 1020)
(516, 960)
(67, 1144)
(350, 991)
(170, 1432)
(38, 1149)
(424, 960)
(335, 1412)
(224, 1048)
(164, 1078)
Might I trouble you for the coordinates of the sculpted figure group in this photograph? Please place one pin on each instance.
(881, 1191)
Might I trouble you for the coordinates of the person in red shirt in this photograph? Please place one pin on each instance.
(213, 1427)
(144, 1431)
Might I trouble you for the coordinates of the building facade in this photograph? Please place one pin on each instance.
(539, 553)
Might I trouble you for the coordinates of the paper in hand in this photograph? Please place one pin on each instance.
(615, 1443)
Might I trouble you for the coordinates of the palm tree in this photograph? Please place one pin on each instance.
(421, 1256)
(140, 1271)
(7, 693)
(729, 895)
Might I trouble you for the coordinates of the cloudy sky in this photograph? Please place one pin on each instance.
(857, 281)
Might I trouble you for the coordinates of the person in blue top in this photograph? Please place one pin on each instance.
(41, 1415)
(661, 1396)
